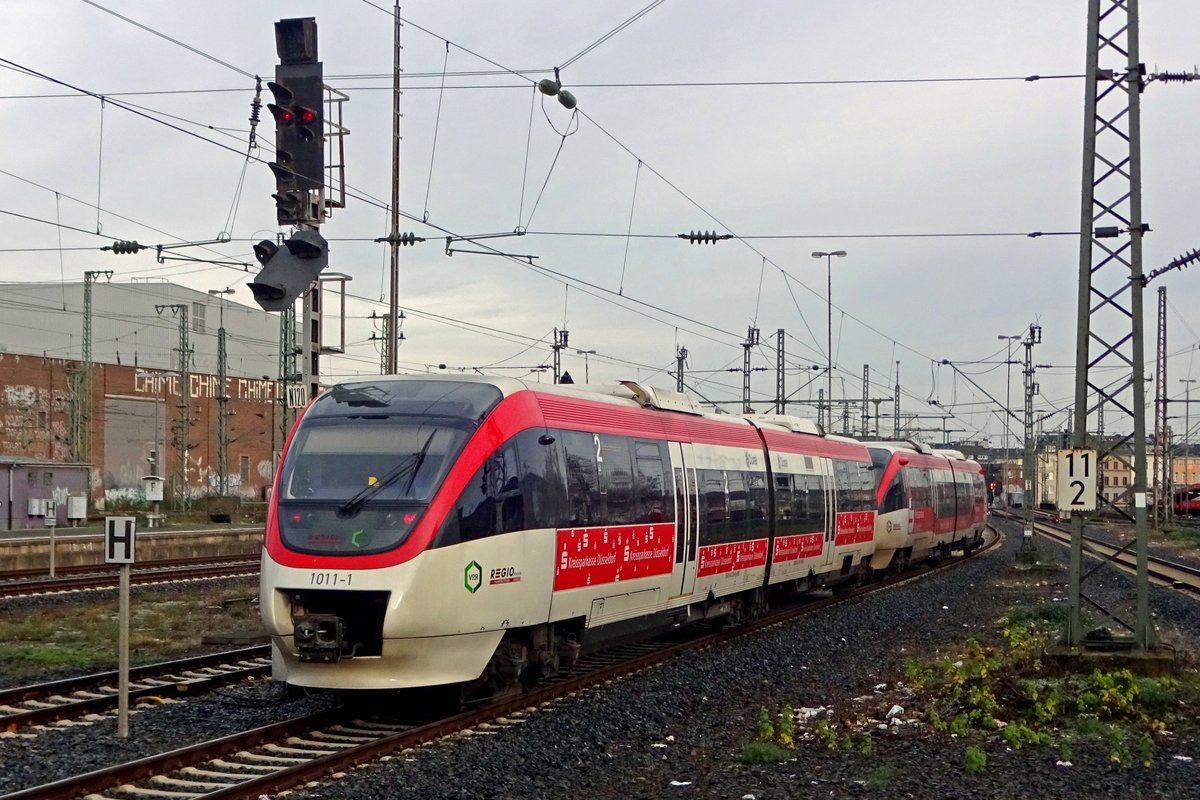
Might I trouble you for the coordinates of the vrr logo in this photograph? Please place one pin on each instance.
(473, 577)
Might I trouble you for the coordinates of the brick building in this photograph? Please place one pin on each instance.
(138, 417)
(135, 426)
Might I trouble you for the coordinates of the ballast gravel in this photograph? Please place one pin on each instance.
(677, 731)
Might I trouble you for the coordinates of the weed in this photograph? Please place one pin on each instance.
(1051, 613)
(1118, 749)
(763, 753)
(826, 735)
(1146, 749)
(974, 760)
(1157, 692)
(1018, 735)
(1111, 695)
(867, 748)
(764, 728)
(881, 776)
(787, 727)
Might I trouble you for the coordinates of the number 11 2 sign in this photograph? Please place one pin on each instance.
(1076, 484)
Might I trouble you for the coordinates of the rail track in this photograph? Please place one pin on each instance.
(17, 583)
(72, 698)
(278, 757)
(1162, 571)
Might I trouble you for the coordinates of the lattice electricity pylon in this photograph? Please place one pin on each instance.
(1163, 491)
(751, 342)
(180, 497)
(1109, 353)
(289, 371)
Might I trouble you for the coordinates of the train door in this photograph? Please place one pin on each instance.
(687, 517)
(830, 482)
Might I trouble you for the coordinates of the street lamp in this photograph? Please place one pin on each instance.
(585, 354)
(829, 256)
(1008, 388)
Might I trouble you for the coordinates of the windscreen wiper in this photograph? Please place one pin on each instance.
(411, 464)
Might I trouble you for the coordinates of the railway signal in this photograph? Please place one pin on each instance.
(299, 92)
(288, 271)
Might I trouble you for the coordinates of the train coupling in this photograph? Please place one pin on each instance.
(320, 637)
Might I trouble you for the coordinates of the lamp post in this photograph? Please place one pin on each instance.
(829, 256)
(222, 400)
(585, 354)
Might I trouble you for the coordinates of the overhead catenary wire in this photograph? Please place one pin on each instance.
(646, 10)
(621, 288)
(766, 84)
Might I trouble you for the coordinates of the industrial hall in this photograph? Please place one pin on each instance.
(160, 381)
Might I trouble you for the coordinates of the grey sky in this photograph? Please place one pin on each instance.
(879, 169)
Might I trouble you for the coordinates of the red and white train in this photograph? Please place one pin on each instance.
(476, 532)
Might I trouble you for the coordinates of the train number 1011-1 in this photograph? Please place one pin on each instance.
(330, 578)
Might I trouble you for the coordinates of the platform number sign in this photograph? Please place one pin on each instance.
(1076, 482)
(119, 534)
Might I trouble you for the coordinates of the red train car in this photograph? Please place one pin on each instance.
(477, 531)
(929, 501)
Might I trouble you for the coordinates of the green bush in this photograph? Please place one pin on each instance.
(974, 760)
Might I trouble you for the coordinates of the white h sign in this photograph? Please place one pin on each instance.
(119, 534)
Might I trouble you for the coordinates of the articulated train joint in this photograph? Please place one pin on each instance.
(320, 637)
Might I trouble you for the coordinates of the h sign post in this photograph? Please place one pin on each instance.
(119, 535)
(118, 539)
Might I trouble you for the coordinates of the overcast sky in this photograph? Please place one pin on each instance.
(828, 133)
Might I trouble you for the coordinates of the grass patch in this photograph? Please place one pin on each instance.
(83, 635)
(764, 753)
(1048, 613)
(881, 776)
(1185, 535)
(1030, 557)
(977, 688)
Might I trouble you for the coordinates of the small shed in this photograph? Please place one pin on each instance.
(38, 494)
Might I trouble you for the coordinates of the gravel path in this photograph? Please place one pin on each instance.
(677, 731)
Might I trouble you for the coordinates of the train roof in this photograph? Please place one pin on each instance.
(902, 444)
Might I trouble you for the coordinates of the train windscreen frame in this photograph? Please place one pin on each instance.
(367, 458)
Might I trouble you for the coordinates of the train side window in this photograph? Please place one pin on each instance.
(918, 487)
(738, 505)
(895, 497)
(650, 499)
(712, 505)
(542, 479)
(473, 515)
(583, 480)
(785, 512)
(616, 480)
(490, 503)
(943, 494)
(507, 482)
(808, 504)
(756, 504)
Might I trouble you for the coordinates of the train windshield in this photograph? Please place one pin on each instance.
(366, 460)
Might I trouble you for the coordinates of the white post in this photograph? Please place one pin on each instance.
(120, 534)
(123, 658)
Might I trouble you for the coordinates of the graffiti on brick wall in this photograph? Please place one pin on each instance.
(20, 396)
(153, 382)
